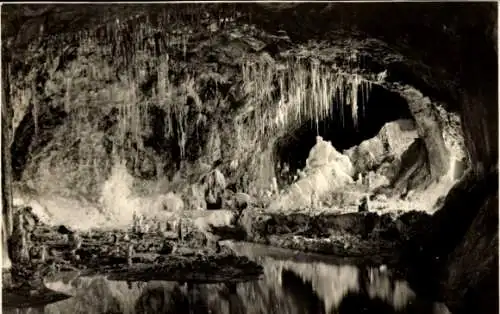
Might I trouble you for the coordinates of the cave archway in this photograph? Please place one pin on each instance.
(382, 106)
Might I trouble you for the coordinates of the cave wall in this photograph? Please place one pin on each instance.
(479, 93)
(230, 83)
(6, 176)
(453, 79)
(471, 284)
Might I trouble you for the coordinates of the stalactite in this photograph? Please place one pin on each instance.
(306, 91)
(354, 98)
(305, 94)
(35, 108)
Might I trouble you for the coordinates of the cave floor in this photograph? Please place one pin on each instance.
(186, 246)
(119, 255)
(204, 247)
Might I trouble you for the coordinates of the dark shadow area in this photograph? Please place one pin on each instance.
(361, 303)
(465, 213)
(32, 135)
(382, 106)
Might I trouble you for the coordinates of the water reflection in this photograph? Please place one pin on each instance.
(287, 287)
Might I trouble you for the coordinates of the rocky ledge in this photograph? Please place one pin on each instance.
(352, 234)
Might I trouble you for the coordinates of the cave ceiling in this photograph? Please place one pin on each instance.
(423, 45)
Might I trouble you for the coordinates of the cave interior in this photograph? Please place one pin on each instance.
(171, 113)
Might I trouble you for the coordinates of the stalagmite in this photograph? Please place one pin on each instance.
(20, 249)
(130, 253)
(314, 200)
(75, 242)
(359, 181)
(43, 253)
(274, 186)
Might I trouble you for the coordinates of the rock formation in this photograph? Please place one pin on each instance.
(326, 170)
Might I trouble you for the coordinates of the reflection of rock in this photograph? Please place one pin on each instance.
(301, 293)
(395, 292)
(329, 282)
(90, 295)
(360, 303)
(288, 286)
(157, 300)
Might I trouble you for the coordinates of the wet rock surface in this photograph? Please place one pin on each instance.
(343, 234)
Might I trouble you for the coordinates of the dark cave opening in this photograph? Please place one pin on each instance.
(292, 150)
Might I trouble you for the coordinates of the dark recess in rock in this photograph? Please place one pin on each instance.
(31, 137)
(383, 106)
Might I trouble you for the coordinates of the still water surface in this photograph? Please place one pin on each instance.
(291, 284)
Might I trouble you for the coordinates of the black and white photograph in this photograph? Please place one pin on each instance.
(260, 157)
